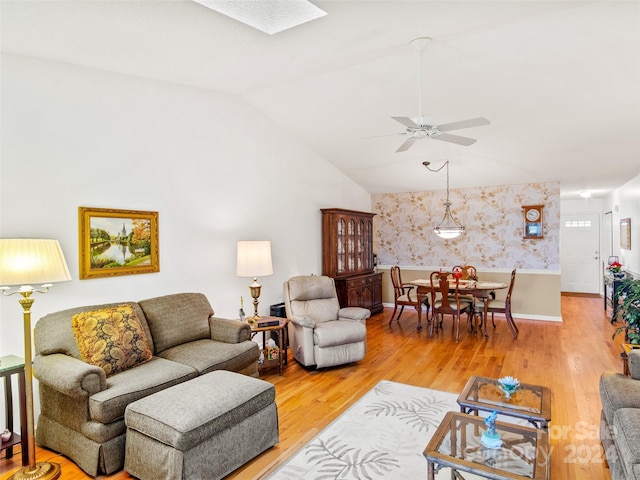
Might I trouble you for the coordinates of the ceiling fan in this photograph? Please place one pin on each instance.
(421, 127)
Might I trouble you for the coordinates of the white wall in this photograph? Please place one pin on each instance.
(582, 206)
(215, 169)
(625, 203)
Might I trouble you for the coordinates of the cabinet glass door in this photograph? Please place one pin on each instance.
(351, 245)
(342, 248)
(361, 249)
(368, 254)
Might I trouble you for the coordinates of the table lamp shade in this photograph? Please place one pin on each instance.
(26, 261)
(254, 258)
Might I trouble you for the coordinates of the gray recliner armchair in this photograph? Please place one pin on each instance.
(320, 332)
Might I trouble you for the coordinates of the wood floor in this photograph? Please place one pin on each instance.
(567, 357)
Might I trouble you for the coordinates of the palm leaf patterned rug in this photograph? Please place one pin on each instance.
(382, 436)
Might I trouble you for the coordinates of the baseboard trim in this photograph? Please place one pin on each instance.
(521, 316)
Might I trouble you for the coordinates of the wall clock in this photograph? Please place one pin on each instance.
(532, 219)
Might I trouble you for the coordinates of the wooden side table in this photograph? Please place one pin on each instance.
(626, 348)
(531, 402)
(12, 365)
(283, 342)
(612, 284)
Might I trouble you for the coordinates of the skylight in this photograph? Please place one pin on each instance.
(269, 16)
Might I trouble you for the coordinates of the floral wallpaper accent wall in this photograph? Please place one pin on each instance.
(492, 216)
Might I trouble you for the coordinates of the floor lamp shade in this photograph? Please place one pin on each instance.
(26, 262)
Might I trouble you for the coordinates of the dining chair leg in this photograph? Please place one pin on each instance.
(456, 321)
(471, 320)
(419, 311)
(480, 315)
(512, 324)
(395, 307)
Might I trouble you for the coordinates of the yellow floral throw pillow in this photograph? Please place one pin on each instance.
(111, 338)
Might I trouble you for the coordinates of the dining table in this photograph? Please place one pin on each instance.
(478, 289)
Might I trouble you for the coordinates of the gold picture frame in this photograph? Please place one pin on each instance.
(117, 242)
(625, 233)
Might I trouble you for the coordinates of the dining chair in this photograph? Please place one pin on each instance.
(406, 295)
(445, 300)
(501, 306)
(465, 272)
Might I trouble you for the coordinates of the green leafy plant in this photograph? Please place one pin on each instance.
(628, 311)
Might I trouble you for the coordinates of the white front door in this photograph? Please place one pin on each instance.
(580, 253)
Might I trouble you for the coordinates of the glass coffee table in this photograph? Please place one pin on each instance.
(456, 444)
(530, 402)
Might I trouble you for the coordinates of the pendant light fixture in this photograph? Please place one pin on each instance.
(448, 227)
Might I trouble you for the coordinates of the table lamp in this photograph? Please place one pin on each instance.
(26, 261)
(254, 260)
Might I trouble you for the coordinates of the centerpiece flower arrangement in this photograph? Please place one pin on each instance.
(615, 267)
(508, 385)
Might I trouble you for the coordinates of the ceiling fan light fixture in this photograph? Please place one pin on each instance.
(421, 127)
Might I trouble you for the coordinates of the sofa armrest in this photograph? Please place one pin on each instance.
(69, 375)
(229, 331)
(634, 364)
(354, 313)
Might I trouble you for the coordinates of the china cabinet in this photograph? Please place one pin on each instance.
(347, 256)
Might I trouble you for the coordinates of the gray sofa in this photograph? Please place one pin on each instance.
(82, 410)
(620, 420)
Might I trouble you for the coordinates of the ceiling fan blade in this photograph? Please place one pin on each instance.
(386, 135)
(448, 137)
(406, 121)
(474, 122)
(407, 144)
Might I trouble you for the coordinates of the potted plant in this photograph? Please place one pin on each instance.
(616, 269)
(629, 311)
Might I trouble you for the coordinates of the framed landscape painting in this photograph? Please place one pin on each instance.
(117, 242)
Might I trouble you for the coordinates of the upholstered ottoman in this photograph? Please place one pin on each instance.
(200, 429)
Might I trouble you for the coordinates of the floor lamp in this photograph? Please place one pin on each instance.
(23, 262)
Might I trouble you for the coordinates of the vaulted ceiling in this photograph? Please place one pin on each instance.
(559, 80)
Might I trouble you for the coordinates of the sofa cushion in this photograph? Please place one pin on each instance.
(134, 384)
(339, 332)
(177, 319)
(618, 391)
(111, 338)
(54, 335)
(626, 425)
(208, 355)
